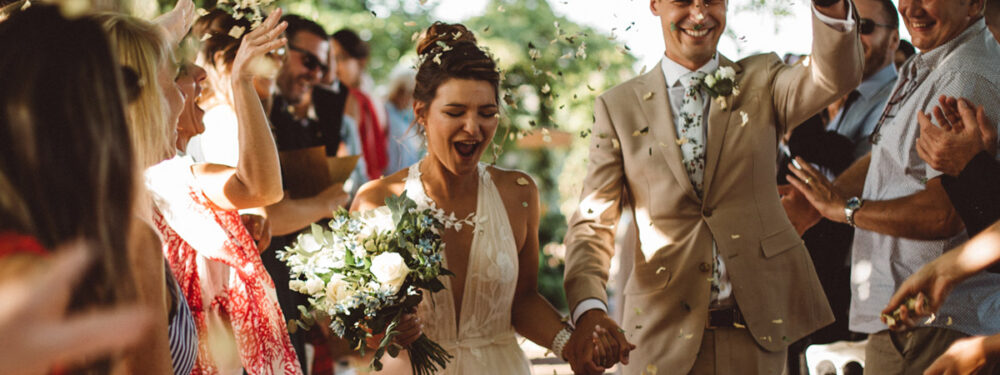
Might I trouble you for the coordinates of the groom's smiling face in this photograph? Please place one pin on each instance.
(691, 28)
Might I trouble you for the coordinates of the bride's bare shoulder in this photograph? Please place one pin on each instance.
(515, 187)
(373, 193)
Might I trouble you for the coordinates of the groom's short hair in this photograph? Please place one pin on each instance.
(889, 9)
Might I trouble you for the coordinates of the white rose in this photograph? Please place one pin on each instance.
(314, 285)
(727, 73)
(337, 289)
(308, 243)
(296, 285)
(390, 270)
(710, 80)
(378, 220)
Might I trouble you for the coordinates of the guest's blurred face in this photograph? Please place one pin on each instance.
(932, 23)
(174, 98)
(459, 123)
(691, 29)
(881, 43)
(349, 69)
(190, 122)
(304, 65)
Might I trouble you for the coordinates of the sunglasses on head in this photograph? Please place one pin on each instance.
(309, 60)
(867, 26)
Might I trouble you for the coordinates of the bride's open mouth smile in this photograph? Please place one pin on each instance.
(466, 148)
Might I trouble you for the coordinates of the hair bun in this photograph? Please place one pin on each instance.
(447, 33)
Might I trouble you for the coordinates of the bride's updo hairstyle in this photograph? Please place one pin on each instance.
(449, 51)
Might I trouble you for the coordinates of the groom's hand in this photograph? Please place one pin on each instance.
(580, 349)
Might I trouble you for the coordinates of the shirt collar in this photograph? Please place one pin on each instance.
(873, 84)
(674, 71)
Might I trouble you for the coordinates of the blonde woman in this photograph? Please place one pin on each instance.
(214, 258)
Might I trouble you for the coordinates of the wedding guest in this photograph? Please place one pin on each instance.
(903, 53)
(706, 294)
(897, 203)
(66, 174)
(240, 326)
(494, 252)
(352, 57)
(405, 144)
(350, 140)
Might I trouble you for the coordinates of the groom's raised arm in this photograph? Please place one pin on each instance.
(834, 68)
(591, 235)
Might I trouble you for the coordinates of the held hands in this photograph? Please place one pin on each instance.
(962, 132)
(257, 43)
(818, 190)
(596, 344)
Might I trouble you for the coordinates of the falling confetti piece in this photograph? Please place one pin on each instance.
(546, 89)
(201, 11)
(524, 204)
(777, 321)
(661, 269)
(682, 141)
(522, 181)
(409, 24)
(651, 369)
(649, 95)
(931, 319)
(745, 118)
(740, 326)
(237, 31)
(643, 70)
(615, 144)
(949, 321)
(735, 236)
(437, 59)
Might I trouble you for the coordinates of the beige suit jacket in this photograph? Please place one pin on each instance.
(667, 295)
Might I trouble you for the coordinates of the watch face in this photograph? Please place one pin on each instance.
(853, 203)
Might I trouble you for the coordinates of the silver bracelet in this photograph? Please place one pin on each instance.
(560, 341)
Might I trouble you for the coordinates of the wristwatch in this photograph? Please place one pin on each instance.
(853, 205)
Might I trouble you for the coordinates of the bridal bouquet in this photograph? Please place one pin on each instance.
(366, 270)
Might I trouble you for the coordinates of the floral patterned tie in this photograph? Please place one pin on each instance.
(691, 138)
(690, 133)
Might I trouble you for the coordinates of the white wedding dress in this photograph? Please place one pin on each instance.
(484, 343)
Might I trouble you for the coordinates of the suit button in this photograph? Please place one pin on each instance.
(707, 212)
(705, 267)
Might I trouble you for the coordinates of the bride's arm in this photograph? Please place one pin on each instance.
(533, 316)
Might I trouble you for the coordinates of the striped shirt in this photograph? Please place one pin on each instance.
(963, 67)
(182, 332)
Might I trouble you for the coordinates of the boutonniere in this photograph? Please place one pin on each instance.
(721, 84)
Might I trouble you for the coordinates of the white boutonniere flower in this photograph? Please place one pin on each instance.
(722, 84)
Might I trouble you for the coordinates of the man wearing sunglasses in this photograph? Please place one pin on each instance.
(902, 215)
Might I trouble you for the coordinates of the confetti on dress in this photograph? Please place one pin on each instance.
(522, 181)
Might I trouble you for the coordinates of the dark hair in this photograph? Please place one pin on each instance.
(297, 23)
(906, 48)
(66, 168)
(450, 51)
(890, 11)
(217, 25)
(351, 43)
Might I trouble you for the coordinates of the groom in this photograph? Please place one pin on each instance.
(722, 283)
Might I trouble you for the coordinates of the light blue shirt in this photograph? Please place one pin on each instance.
(406, 146)
(858, 121)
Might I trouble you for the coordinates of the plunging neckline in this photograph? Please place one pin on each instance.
(459, 315)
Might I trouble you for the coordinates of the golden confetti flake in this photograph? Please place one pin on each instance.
(522, 181)
(643, 70)
(546, 89)
(682, 141)
(409, 24)
(237, 31)
(777, 321)
(437, 58)
(931, 319)
(649, 95)
(661, 269)
(735, 236)
(949, 322)
(615, 144)
(740, 326)
(744, 117)
(651, 369)
(201, 12)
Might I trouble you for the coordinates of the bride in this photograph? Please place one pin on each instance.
(494, 254)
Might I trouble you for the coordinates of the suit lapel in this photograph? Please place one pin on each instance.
(718, 124)
(652, 98)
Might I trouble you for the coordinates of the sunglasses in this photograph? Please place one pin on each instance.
(867, 26)
(309, 60)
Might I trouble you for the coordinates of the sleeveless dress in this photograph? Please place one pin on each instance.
(485, 342)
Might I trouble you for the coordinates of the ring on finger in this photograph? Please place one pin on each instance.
(808, 180)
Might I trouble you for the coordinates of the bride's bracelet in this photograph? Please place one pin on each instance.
(560, 341)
